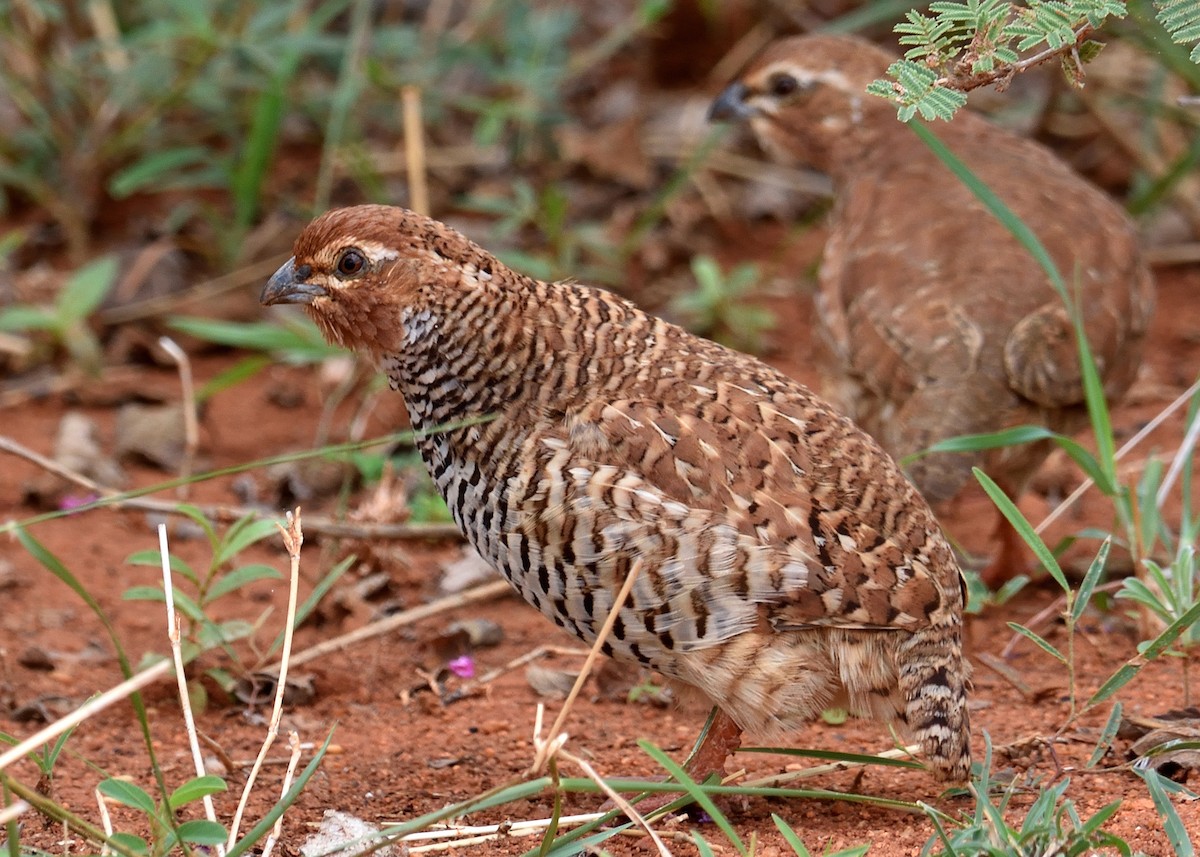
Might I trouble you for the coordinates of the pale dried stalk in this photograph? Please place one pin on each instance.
(293, 763)
(293, 538)
(105, 822)
(605, 629)
(83, 712)
(13, 810)
(322, 525)
(191, 422)
(518, 662)
(414, 149)
(185, 699)
(830, 768)
(483, 592)
(1159, 418)
(551, 747)
(526, 827)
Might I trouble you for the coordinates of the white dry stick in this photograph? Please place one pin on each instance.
(1179, 402)
(830, 768)
(414, 149)
(482, 592)
(185, 699)
(293, 763)
(83, 712)
(13, 810)
(525, 827)
(105, 822)
(293, 538)
(191, 423)
(619, 602)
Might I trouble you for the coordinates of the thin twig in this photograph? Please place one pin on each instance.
(83, 712)
(13, 810)
(483, 592)
(414, 149)
(105, 821)
(605, 629)
(293, 539)
(185, 699)
(1159, 418)
(831, 768)
(293, 763)
(518, 662)
(191, 423)
(321, 525)
(1049, 612)
(966, 81)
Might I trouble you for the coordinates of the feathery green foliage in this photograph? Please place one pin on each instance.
(957, 47)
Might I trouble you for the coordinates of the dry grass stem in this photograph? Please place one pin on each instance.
(1183, 253)
(1182, 399)
(618, 800)
(586, 669)
(227, 514)
(105, 821)
(520, 661)
(552, 747)
(1008, 673)
(830, 768)
(83, 712)
(13, 810)
(527, 827)
(191, 422)
(483, 592)
(108, 34)
(414, 149)
(185, 700)
(293, 539)
(252, 274)
(289, 775)
(1050, 612)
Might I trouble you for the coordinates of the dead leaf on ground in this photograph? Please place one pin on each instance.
(154, 434)
(77, 448)
(259, 689)
(1170, 741)
(551, 683)
(468, 570)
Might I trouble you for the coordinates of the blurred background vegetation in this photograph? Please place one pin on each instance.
(190, 138)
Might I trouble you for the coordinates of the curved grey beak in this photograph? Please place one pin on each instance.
(287, 286)
(731, 105)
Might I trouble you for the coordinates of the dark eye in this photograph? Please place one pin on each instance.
(351, 263)
(783, 84)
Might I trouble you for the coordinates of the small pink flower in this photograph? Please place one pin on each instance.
(74, 501)
(463, 666)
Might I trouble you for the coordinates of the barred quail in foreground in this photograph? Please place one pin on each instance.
(787, 563)
(937, 323)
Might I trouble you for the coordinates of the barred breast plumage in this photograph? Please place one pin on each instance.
(788, 565)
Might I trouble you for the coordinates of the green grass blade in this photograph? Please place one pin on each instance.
(1173, 826)
(790, 837)
(697, 794)
(835, 756)
(1107, 735)
(1160, 644)
(1090, 579)
(1041, 643)
(1010, 511)
(259, 830)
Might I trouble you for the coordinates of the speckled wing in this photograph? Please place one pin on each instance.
(749, 512)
